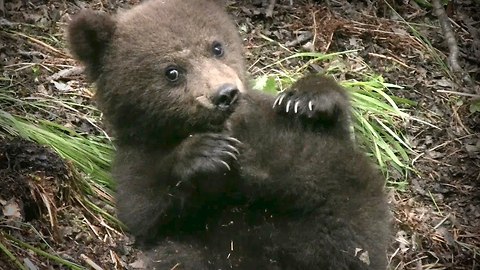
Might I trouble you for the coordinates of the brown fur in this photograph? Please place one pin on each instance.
(293, 194)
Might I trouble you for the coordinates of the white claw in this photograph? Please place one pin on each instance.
(235, 140)
(288, 106)
(230, 154)
(234, 149)
(295, 108)
(310, 105)
(226, 164)
(275, 102)
(281, 99)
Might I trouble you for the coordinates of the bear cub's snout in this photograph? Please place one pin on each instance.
(226, 96)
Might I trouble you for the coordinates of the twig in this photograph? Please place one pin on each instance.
(41, 44)
(459, 119)
(441, 222)
(435, 202)
(66, 73)
(175, 266)
(390, 58)
(32, 53)
(5, 22)
(314, 14)
(269, 11)
(271, 40)
(449, 36)
(302, 38)
(459, 93)
(451, 41)
(90, 262)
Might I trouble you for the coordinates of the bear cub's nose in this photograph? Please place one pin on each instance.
(226, 95)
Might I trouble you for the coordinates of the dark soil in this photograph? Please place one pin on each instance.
(436, 217)
(39, 208)
(22, 165)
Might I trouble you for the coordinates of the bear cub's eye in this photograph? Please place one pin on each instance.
(172, 73)
(217, 49)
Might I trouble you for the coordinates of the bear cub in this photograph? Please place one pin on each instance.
(213, 175)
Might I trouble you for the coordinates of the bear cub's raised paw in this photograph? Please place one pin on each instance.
(205, 154)
(316, 101)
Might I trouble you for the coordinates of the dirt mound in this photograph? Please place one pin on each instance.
(39, 199)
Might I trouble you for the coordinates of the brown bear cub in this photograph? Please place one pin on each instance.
(213, 175)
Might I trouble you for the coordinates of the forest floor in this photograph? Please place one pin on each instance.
(436, 216)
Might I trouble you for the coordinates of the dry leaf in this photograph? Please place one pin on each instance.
(12, 209)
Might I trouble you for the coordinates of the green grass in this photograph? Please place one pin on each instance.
(23, 245)
(90, 156)
(377, 114)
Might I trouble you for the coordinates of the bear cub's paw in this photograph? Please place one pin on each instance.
(314, 99)
(206, 154)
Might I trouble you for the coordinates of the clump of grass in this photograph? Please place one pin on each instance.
(90, 156)
(377, 117)
(378, 124)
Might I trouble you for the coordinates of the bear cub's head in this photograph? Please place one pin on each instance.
(159, 76)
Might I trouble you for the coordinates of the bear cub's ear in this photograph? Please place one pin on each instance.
(89, 34)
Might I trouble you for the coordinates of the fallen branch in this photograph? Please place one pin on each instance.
(449, 36)
(447, 31)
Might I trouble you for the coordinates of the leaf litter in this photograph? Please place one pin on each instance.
(436, 217)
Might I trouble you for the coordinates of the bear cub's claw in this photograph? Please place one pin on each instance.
(206, 154)
(313, 99)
